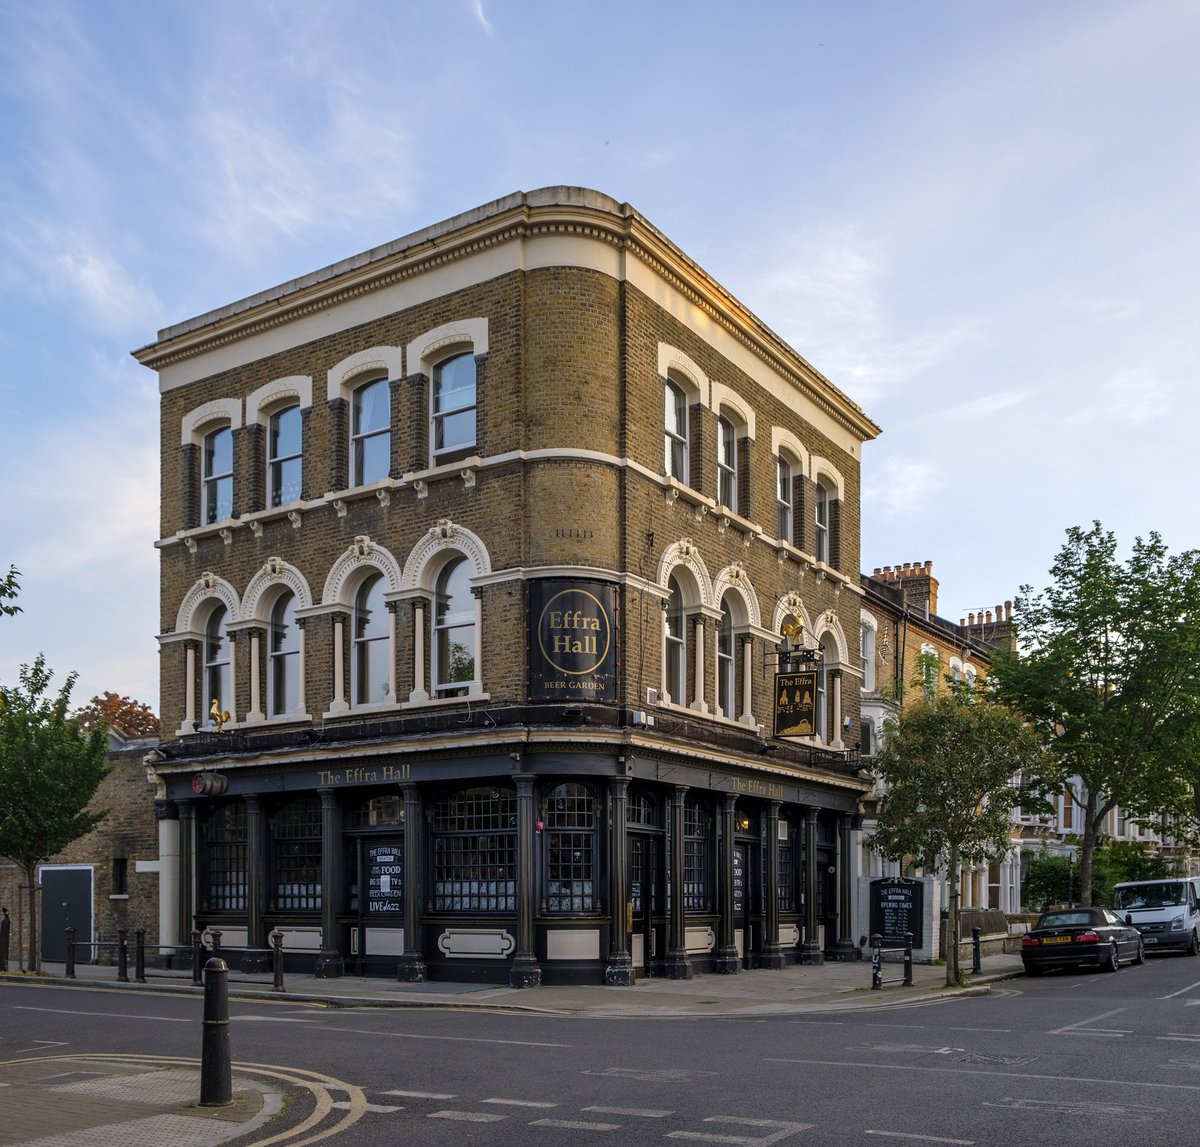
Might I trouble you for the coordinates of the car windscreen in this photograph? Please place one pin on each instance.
(1064, 919)
(1135, 896)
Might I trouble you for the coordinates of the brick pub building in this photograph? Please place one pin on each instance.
(479, 550)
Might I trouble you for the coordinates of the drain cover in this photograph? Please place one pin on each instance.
(1001, 1060)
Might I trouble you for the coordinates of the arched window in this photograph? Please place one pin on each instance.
(371, 433)
(217, 484)
(297, 851)
(372, 644)
(866, 655)
(225, 884)
(454, 652)
(784, 498)
(726, 677)
(821, 521)
(218, 678)
(675, 648)
(727, 475)
(475, 851)
(283, 657)
(696, 897)
(284, 457)
(570, 826)
(676, 432)
(453, 406)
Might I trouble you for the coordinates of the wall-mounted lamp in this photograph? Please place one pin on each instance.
(743, 822)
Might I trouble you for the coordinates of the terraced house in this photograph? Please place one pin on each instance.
(479, 551)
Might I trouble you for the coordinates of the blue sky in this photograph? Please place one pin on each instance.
(978, 219)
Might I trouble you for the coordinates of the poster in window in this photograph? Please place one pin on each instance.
(796, 703)
(573, 629)
(385, 879)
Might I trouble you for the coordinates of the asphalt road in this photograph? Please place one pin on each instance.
(1063, 1060)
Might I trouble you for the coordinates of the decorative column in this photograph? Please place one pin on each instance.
(420, 692)
(835, 677)
(301, 702)
(619, 972)
(698, 702)
(166, 813)
(772, 953)
(412, 963)
(187, 871)
(727, 963)
(810, 949)
(329, 958)
(255, 712)
(525, 972)
(391, 612)
(258, 956)
(677, 966)
(747, 717)
(846, 949)
(339, 704)
(189, 691)
(233, 689)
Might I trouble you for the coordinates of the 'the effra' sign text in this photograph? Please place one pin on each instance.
(796, 703)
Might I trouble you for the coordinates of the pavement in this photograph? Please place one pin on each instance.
(95, 1100)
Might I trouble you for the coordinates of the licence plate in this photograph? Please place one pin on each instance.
(1057, 940)
(1149, 939)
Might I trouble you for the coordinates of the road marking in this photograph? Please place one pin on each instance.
(783, 1130)
(640, 1112)
(378, 1108)
(419, 1094)
(519, 1102)
(575, 1125)
(1081, 1028)
(922, 1138)
(907, 1048)
(1181, 992)
(1067, 1107)
(273, 1019)
(106, 1015)
(39, 1045)
(1180, 1037)
(650, 1075)
(445, 1038)
(979, 1029)
(468, 1116)
(1190, 1064)
(1070, 1079)
(820, 1023)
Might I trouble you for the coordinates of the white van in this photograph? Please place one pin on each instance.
(1165, 912)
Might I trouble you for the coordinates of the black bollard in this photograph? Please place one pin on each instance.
(70, 953)
(216, 941)
(123, 955)
(277, 948)
(139, 958)
(876, 963)
(976, 955)
(197, 980)
(216, 1079)
(908, 938)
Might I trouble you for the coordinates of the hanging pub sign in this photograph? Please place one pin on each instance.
(796, 703)
(574, 639)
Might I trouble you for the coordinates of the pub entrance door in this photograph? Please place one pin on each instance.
(66, 903)
(643, 898)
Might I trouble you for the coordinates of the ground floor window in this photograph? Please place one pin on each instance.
(570, 825)
(297, 875)
(475, 851)
(225, 885)
(695, 859)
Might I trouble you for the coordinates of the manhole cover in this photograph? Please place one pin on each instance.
(1000, 1060)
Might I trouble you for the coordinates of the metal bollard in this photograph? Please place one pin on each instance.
(139, 959)
(976, 955)
(876, 963)
(70, 953)
(908, 939)
(216, 1078)
(277, 963)
(123, 955)
(197, 980)
(216, 941)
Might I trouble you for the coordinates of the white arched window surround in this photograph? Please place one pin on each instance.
(684, 385)
(425, 355)
(275, 581)
(282, 466)
(201, 428)
(344, 381)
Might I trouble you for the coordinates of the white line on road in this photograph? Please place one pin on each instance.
(979, 1029)
(468, 1116)
(639, 1112)
(419, 1094)
(1181, 991)
(378, 1108)
(1180, 1036)
(444, 1038)
(783, 1130)
(922, 1138)
(573, 1125)
(106, 1015)
(519, 1102)
(1074, 1028)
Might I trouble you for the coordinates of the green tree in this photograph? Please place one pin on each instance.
(49, 771)
(1107, 666)
(955, 766)
(9, 587)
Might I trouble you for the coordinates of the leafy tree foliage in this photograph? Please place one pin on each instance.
(1108, 668)
(49, 771)
(955, 765)
(9, 586)
(1052, 878)
(110, 710)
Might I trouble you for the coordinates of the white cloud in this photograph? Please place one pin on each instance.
(1131, 397)
(901, 487)
(479, 14)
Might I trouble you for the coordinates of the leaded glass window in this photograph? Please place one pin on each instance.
(695, 859)
(475, 851)
(297, 837)
(225, 859)
(570, 826)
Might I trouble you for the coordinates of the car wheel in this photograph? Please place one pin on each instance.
(1110, 963)
(1140, 956)
(1193, 949)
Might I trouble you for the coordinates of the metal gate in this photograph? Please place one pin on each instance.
(66, 903)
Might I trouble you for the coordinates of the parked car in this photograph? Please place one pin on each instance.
(1165, 912)
(1073, 937)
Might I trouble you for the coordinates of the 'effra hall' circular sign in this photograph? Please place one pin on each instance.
(573, 640)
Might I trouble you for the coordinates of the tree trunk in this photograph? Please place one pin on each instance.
(952, 921)
(34, 963)
(1089, 847)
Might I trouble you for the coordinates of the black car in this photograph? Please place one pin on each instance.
(1072, 937)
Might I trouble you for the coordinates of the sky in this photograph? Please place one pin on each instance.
(979, 220)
